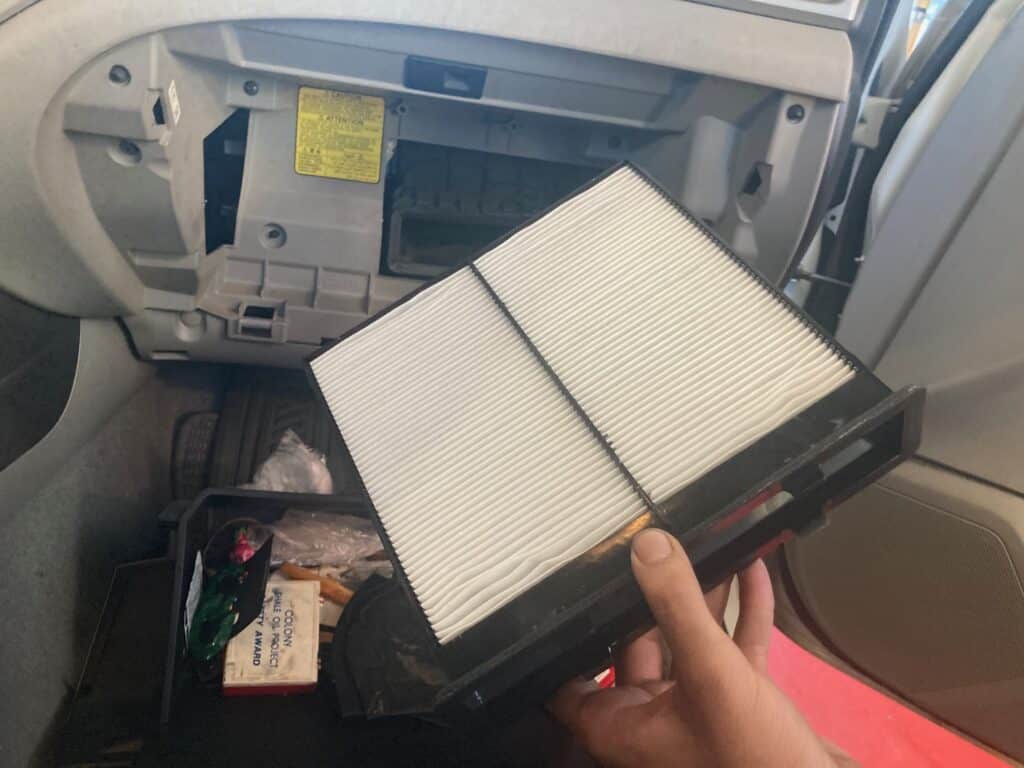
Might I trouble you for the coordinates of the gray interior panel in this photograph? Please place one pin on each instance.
(936, 197)
(937, 301)
(107, 374)
(9, 8)
(930, 113)
(962, 338)
(185, 143)
(87, 511)
(38, 358)
(917, 581)
(60, 256)
(831, 13)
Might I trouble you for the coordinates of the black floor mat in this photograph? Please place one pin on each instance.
(193, 450)
(118, 725)
(260, 404)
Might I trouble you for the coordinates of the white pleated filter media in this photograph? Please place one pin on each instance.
(481, 472)
(676, 352)
(483, 475)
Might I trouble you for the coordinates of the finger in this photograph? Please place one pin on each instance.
(753, 633)
(698, 645)
(717, 599)
(839, 755)
(640, 660)
(567, 703)
(655, 688)
(594, 717)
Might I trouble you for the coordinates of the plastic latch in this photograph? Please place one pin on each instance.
(869, 124)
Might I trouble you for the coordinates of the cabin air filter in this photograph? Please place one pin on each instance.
(608, 366)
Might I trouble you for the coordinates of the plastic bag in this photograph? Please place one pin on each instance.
(311, 539)
(293, 467)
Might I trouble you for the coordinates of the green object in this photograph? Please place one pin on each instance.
(216, 613)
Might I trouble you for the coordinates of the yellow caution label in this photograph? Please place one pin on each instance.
(338, 135)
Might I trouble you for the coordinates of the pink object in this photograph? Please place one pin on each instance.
(243, 550)
(874, 728)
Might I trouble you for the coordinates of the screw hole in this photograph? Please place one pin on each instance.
(119, 75)
(251, 87)
(273, 236)
(126, 152)
(795, 113)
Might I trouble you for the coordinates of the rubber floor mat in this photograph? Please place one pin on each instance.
(260, 404)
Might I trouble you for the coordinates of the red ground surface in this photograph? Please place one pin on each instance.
(874, 729)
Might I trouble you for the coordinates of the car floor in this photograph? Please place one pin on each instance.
(100, 509)
(59, 550)
(873, 728)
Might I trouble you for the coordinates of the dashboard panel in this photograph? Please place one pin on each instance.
(180, 182)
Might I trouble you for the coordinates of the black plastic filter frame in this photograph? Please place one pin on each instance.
(565, 624)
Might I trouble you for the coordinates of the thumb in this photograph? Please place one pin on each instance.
(700, 648)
